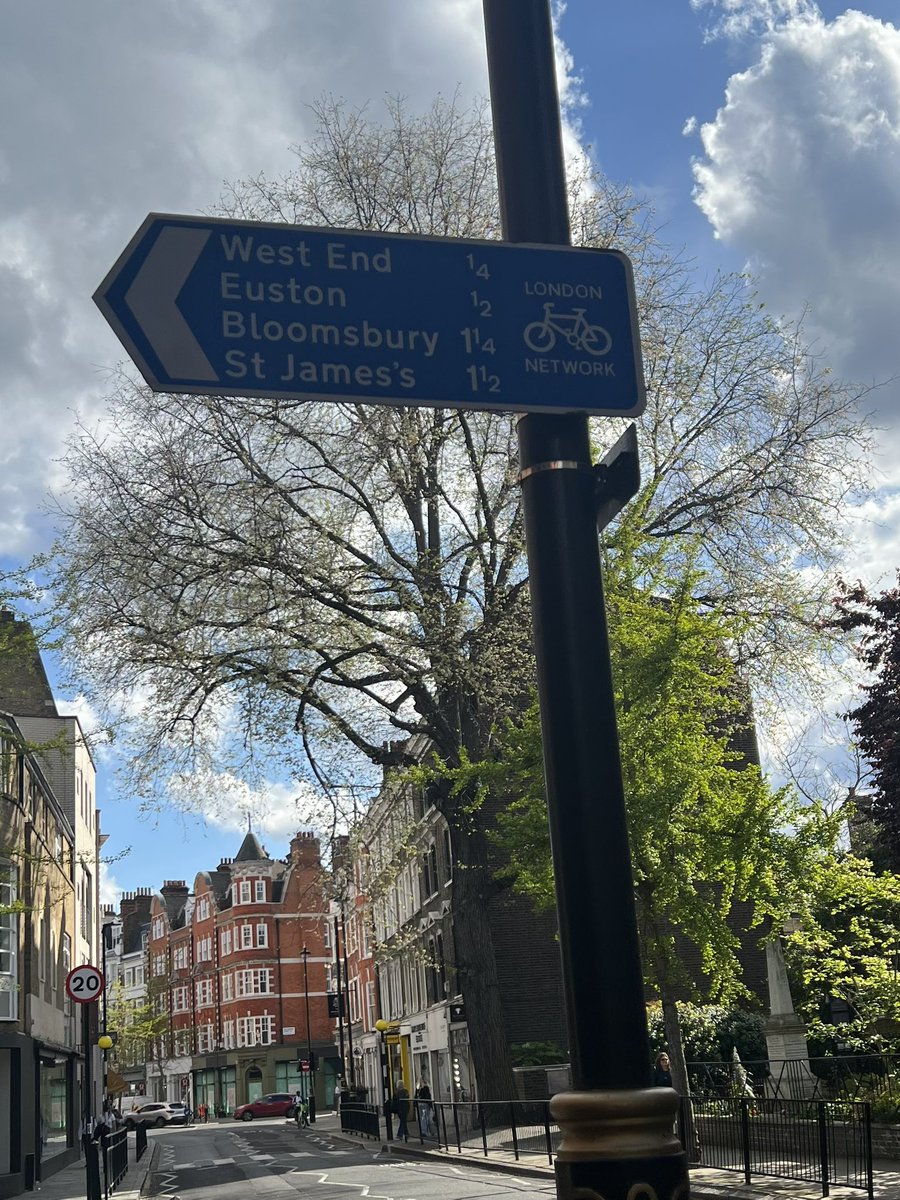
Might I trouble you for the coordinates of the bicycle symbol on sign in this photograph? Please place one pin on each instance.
(574, 327)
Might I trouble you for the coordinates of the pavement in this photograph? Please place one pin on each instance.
(71, 1184)
(706, 1182)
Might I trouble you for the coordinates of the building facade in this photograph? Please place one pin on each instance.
(397, 915)
(49, 847)
(236, 974)
(40, 1063)
(125, 938)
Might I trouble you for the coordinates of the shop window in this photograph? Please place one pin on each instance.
(56, 1133)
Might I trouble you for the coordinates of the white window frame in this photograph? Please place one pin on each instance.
(246, 937)
(259, 890)
(9, 954)
(226, 941)
(256, 1031)
(257, 981)
(227, 987)
(244, 892)
(262, 936)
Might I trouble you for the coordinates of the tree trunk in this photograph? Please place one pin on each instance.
(476, 962)
(680, 1081)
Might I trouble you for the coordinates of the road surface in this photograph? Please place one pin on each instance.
(274, 1160)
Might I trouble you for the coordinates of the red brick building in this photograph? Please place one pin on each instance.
(237, 964)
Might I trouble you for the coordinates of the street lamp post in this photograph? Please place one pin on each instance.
(382, 1027)
(311, 1075)
(217, 1090)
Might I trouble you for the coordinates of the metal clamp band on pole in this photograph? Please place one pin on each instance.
(555, 464)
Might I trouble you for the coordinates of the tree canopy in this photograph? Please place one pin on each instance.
(846, 949)
(718, 855)
(876, 721)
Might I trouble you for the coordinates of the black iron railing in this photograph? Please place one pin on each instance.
(857, 1077)
(522, 1128)
(824, 1142)
(115, 1159)
(357, 1117)
(140, 1141)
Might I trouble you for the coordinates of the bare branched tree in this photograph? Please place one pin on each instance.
(231, 570)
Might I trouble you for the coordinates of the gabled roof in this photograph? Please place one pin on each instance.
(24, 689)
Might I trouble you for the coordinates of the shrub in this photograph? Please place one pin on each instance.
(537, 1054)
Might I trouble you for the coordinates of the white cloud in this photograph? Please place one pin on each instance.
(225, 802)
(801, 174)
(740, 18)
(110, 889)
(114, 111)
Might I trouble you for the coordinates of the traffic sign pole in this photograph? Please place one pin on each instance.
(85, 984)
(617, 1130)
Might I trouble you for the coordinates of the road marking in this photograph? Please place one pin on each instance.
(343, 1183)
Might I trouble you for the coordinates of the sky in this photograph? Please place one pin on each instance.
(765, 133)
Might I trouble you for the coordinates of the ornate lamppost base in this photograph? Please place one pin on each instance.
(619, 1145)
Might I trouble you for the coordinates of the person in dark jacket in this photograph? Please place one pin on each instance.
(424, 1108)
(401, 1108)
(662, 1071)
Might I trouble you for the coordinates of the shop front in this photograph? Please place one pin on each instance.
(56, 1111)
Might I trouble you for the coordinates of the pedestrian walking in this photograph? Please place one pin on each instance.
(424, 1108)
(401, 1108)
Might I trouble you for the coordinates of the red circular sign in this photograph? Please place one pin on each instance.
(85, 983)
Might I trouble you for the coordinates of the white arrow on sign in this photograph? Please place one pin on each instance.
(152, 297)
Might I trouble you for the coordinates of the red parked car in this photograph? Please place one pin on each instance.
(277, 1104)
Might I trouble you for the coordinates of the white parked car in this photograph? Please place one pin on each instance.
(157, 1114)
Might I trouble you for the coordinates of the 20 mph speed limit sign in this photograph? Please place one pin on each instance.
(85, 984)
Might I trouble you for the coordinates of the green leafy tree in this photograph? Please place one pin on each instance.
(710, 1032)
(847, 949)
(875, 619)
(709, 837)
(144, 1027)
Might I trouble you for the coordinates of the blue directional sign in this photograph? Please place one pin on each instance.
(209, 306)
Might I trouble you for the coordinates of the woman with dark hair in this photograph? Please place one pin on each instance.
(662, 1071)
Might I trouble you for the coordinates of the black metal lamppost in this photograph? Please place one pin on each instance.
(382, 1026)
(310, 1074)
